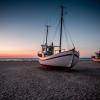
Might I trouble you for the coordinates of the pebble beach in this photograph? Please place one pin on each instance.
(27, 80)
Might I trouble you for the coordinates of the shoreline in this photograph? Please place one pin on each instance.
(34, 59)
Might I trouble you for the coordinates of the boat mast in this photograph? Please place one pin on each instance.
(47, 26)
(61, 20)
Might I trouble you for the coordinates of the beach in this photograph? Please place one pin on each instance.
(27, 80)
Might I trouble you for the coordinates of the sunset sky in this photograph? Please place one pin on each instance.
(22, 25)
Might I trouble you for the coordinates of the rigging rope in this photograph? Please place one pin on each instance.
(56, 31)
(66, 37)
(69, 35)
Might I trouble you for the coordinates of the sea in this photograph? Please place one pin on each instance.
(18, 59)
(33, 59)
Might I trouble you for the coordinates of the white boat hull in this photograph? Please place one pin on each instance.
(63, 59)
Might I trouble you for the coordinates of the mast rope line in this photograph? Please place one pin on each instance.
(55, 33)
(66, 34)
(69, 35)
(66, 38)
(64, 30)
(68, 31)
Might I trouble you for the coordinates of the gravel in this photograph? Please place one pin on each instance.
(28, 80)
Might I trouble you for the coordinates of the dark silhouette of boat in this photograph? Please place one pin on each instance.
(96, 58)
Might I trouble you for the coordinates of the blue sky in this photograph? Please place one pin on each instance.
(22, 25)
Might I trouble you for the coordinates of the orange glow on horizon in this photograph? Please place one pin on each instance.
(17, 54)
(85, 53)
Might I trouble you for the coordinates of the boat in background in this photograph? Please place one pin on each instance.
(96, 58)
(62, 58)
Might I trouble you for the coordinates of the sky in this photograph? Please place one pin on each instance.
(22, 26)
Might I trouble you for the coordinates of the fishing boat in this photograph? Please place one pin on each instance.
(96, 58)
(63, 58)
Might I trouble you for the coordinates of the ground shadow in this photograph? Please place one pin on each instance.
(75, 71)
(57, 69)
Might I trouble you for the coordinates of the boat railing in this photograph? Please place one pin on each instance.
(57, 51)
